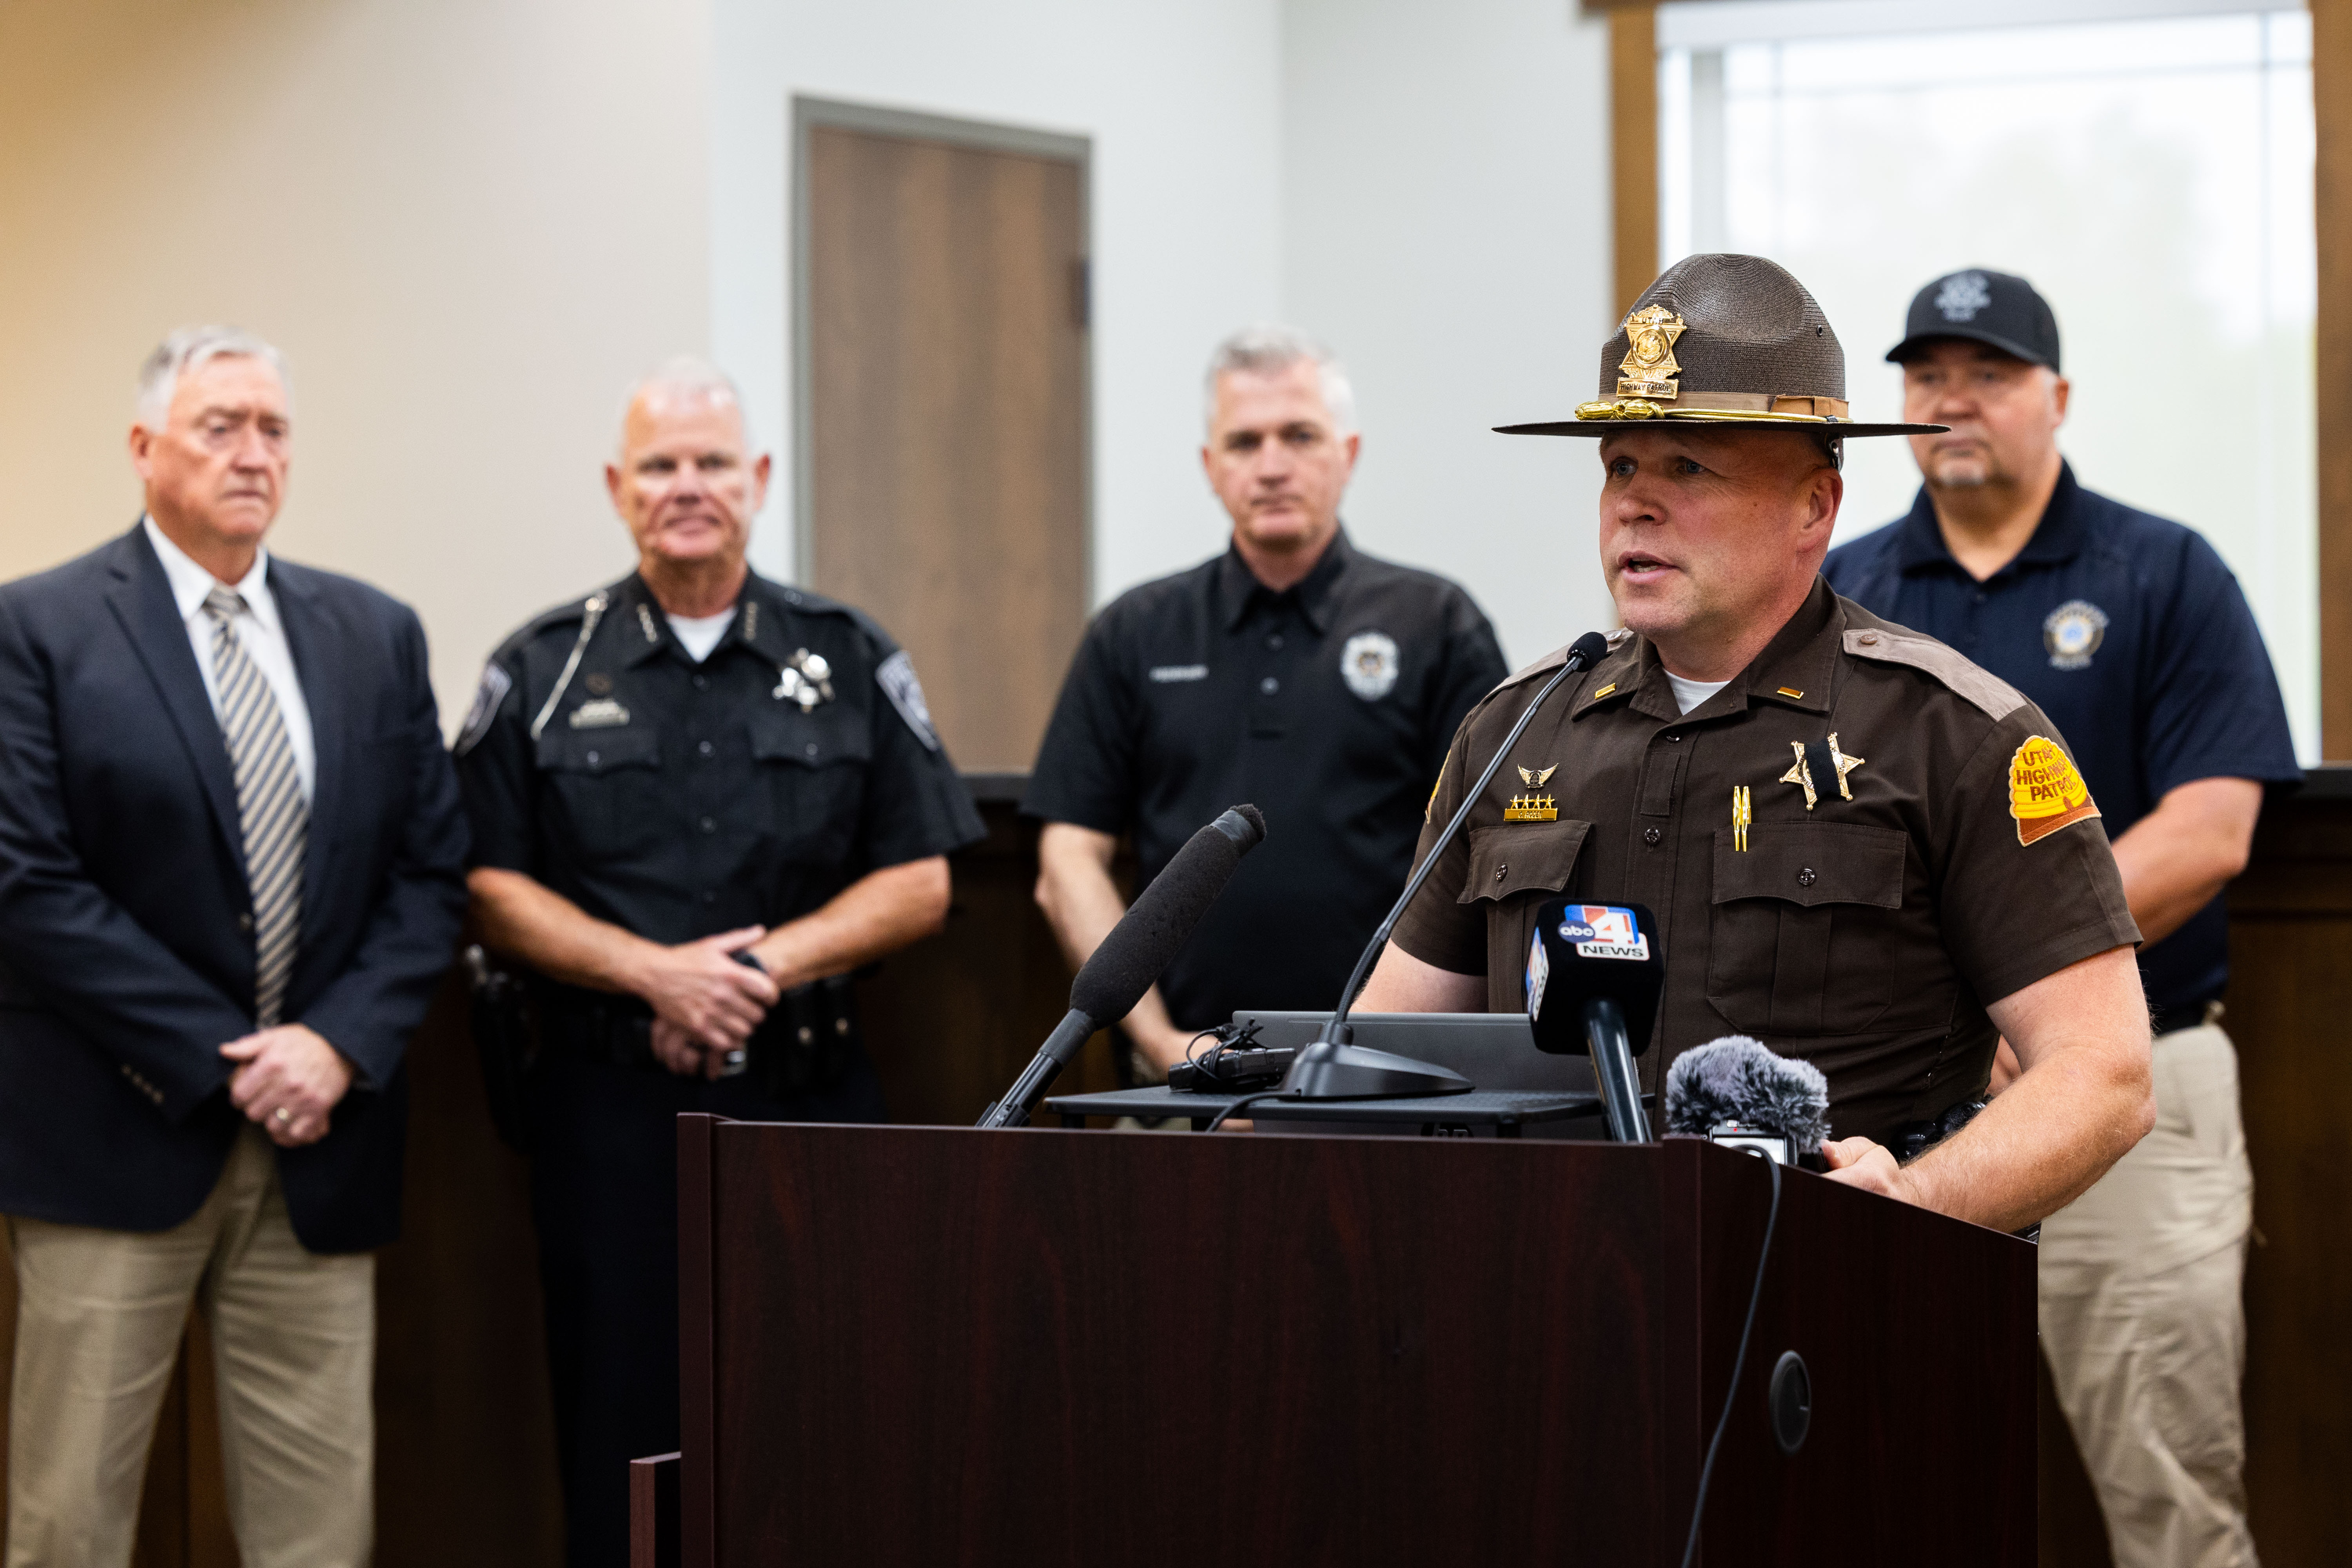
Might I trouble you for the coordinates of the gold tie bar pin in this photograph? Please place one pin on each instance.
(1742, 815)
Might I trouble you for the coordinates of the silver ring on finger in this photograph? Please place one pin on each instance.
(285, 1117)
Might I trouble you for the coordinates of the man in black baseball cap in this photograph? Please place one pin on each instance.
(2132, 635)
(1999, 309)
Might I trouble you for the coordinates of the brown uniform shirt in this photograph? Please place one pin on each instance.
(1866, 935)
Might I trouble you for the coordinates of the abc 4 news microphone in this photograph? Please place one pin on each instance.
(1595, 975)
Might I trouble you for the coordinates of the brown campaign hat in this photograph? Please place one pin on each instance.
(1722, 340)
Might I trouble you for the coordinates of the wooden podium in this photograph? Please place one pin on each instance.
(934, 1345)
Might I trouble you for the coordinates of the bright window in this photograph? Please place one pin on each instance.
(2152, 175)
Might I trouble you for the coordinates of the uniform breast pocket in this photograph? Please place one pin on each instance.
(1514, 867)
(812, 770)
(1801, 938)
(608, 786)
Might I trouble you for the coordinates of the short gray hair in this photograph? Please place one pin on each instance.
(689, 373)
(1267, 350)
(190, 349)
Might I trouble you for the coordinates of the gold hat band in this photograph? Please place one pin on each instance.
(1802, 409)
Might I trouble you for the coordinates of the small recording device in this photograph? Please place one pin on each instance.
(1235, 1064)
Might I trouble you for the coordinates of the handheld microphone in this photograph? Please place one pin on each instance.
(1332, 1068)
(1594, 974)
(1738, 1092)
(1132, 956)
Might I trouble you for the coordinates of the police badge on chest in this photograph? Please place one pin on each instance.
(806, 678)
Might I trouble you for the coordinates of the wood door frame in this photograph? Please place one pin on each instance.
(810, 114)
(1634, 228)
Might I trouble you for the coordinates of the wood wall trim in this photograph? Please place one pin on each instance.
(2331, 93)
(1633, 151)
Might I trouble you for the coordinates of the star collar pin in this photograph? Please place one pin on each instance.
(1845, 766)
(1799, 774)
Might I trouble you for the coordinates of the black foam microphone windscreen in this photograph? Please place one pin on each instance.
(1144, 941)
(1587, 650)
(1740, 1079)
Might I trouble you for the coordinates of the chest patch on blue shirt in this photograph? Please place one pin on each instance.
(2073, 634)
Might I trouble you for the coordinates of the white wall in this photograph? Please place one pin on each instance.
(1446, 228)
(1182, 100)
(468, 224)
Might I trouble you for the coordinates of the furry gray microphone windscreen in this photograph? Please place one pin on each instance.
(1737, 1079)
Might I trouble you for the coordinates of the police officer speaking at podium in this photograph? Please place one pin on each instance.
(700, 799)
(1858, 846)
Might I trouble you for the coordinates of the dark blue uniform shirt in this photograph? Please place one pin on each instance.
(2133, 636)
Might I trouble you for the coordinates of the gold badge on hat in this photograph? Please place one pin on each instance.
(1649, 367)
(1536, 777)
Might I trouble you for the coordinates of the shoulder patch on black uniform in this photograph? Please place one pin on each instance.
(895, 677)
(1990, 695)
(496, 684)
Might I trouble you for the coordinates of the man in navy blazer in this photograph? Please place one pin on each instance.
(231, 855)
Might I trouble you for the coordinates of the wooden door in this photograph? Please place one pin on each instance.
(943, 419)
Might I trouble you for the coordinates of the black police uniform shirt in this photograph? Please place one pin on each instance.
(679, 799)
(1328, 706)
(2128, 631)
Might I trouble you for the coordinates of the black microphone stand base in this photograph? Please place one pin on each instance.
(1326, 1070)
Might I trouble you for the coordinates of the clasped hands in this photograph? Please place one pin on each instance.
(706, 1003)
(289, 1080)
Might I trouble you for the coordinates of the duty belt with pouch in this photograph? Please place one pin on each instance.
(807, 1041)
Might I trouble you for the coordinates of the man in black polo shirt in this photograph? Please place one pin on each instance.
(1292, 671)
(2131, 635)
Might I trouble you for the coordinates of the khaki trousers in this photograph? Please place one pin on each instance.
(2143, 1320)
(99, 1317)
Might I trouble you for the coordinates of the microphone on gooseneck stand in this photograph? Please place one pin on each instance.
(1132, 956)
(1741, 1094)
(1333, 1068)
(1594, 973)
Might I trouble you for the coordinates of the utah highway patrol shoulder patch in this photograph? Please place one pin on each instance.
(895, 677)
(2045, 791)
(496, 684)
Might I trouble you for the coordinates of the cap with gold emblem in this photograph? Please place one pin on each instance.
(1722, 339)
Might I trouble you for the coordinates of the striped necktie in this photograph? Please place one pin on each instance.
(269, 805)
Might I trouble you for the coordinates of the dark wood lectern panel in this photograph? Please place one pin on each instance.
(1092, 1367)
(934, 1345)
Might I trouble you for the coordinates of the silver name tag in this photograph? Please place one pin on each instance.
(604, 713)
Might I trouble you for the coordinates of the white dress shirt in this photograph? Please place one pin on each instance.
(258, 628)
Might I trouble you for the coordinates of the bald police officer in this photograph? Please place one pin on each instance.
(2129, 630)
(1921, 869)
(700, 799)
